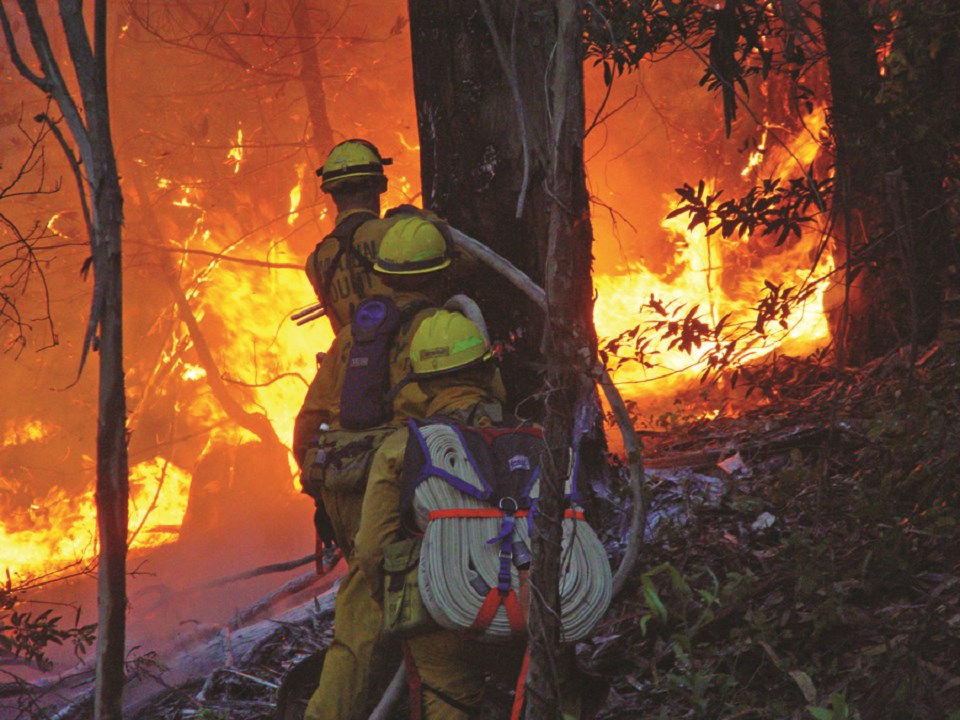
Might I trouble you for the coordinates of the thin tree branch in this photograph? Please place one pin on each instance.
(631, 441)
(510, 72)
(74, 166)
(54, 84)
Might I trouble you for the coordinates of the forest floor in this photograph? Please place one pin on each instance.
(801, 560)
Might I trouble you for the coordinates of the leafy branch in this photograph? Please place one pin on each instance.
(740, 38)
(28, 635)
(772, 208)
(725, 344)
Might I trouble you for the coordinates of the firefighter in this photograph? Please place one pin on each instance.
(451, 361)
(412, 253)
(358, 662)
(340, 268)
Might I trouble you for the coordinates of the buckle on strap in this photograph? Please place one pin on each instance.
(508, 506)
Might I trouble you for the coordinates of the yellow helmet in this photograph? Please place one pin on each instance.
(412, 246)
(352, 160)
(447, 341)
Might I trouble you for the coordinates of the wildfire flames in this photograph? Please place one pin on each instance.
(240, 280)
(711, 273)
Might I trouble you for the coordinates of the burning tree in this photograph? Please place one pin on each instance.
(92, 159)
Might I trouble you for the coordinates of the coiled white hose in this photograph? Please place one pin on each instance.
(458, 566)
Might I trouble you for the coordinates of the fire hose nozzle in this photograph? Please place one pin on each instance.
(309, 314)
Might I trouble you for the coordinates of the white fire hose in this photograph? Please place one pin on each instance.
(458, 565)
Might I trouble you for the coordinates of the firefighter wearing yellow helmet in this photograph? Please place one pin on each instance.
(409, 257)
(451, 360)
(340, 268)
(353, 163)
(357, 665)
(447, 342)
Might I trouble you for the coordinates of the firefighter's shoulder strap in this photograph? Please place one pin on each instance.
(343, 233)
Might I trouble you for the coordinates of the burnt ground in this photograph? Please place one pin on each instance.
(801, 560)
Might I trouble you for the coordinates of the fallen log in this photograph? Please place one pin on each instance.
(202, 651)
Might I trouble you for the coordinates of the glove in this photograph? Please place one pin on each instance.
(321, 521)
(327, 551)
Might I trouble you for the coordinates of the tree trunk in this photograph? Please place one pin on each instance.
(920, 199)
(321, 139)
(500, 109)
(569, 344)
(112, 493)
(889, 205)
(102, 203)
(859, 319)
(112, 466)
(480, 102)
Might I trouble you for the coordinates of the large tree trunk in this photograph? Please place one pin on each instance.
(860, 323)
(480, 102)
(500, 110)
(889, 207)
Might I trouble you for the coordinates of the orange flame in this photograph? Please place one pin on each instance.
(60, 530)
(236, 151)
(697, 276)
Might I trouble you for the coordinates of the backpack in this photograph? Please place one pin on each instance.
(366, 398)
(473, 492)
(338, 460)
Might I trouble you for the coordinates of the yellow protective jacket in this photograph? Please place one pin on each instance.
(352, 280)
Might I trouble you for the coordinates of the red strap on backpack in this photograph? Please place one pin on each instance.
(492, 603)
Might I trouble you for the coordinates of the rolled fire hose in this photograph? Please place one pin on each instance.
(459, 566)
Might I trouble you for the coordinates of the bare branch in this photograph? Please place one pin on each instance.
(74, 166)
(53, 82)
(631, 441)
(41, 82)
(509, 66)
(75, 30)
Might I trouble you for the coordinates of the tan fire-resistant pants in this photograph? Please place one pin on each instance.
(360, 661)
